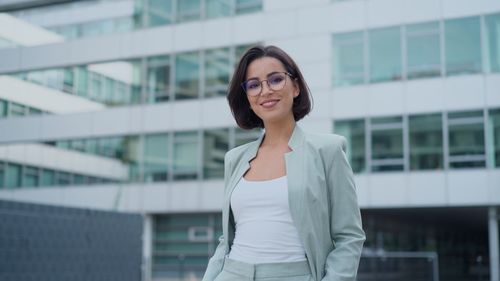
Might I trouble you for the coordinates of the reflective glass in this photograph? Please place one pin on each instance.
(239, 51)
(462, 46)
(64, 178)
(466, 139)
(16, 109)
(158, 76)
(354, 132)
(426, 142)
(13, 176)
(423, 50)
(187, 76)
(248, 6)
(30, 177)
(129, 152)
(348, 58)
(215, 146)
(2, 174)
(3, 108)
(218, 8)
(245, 136)
(387, 144)
(48, 178)
(156, 157)
(494, 136)
(110, 83)
(159, 12)
(492, 38)
(188, 10)
(385, 54)
(186, 155)
(217, 72)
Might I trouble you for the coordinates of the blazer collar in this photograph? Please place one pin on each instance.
(296, 140)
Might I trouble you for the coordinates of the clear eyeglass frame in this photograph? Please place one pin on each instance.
(273, 82)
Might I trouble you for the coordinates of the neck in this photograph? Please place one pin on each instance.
(278, 134)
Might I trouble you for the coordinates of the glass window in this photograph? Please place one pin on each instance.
(158, 76)
(156, 157)
(492, 37)
(159, 12)
(63, 178)
(79, 180)
(129, 153)
(348, 58)
(218, 8)
(239, 51)
(354, 132)
(426, 142)
(187, 76)
(385, 54)
(462, 46)
(30, 176)
(494, 136)
(423, 50)
(48, 178)
(217, 72)
(13, 176)
(2, 174)
(248, 6)
(387, 144)
(188, 10)
(3, 108)
(466, 139)
(186, 155)
(16, 109)
(215, 146)
(34, 111)
(245, 136)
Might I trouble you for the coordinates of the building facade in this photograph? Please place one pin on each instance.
(120, 105)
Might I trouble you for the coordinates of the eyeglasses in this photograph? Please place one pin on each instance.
(275, 82)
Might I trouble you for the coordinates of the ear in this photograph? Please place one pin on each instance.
(296, 90)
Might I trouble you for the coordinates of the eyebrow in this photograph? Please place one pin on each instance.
(269, 74)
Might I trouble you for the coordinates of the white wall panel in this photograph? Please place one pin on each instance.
(461, 8)
(388, 189)
(281, 24)
(348, 16)
(149, 42)
(385, 98)
(188, 37)
(468, 187)
(426, 95)
(350, 102)
(492, 88)
(248, 28)
(464, 92)
(427, 188)
(216, 33)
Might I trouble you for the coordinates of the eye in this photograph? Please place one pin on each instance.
(276, 78)
(252, 84)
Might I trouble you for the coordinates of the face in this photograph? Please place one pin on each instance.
(271, 105)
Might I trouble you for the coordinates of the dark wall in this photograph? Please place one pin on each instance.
(41, 242)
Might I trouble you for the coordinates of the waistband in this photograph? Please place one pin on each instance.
(264, 270)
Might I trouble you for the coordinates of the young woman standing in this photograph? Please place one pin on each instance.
(290, 206)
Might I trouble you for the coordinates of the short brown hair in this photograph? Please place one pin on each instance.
(238, 102)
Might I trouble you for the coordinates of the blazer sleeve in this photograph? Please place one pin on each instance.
(345, 219)
(216, 262)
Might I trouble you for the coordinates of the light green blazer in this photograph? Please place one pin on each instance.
(322, 199)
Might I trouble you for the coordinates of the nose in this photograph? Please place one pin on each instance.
(265, 88)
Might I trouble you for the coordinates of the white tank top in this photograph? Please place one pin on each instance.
(265, 232)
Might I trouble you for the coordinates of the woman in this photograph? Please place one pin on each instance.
(290, 207)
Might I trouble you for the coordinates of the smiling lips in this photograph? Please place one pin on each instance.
(269, 103)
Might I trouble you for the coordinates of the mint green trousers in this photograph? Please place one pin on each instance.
(240, 271)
